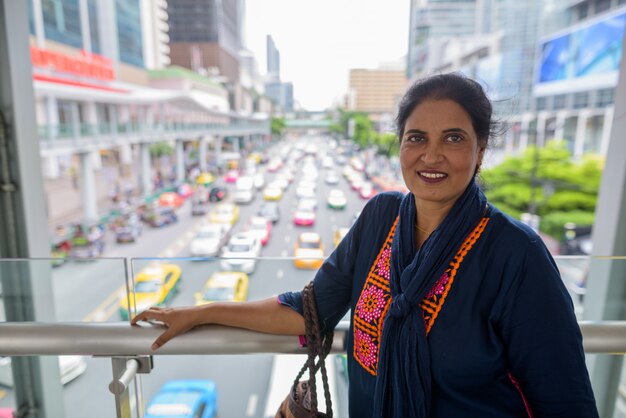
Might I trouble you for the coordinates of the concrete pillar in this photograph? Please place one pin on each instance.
(581, 133)
(88, 186)
(96, 160)
(40, 35)
(606, 282)
(84, 25)
(561, 116)
(523, 139)
(180, 160)
(146, 170)
(606, 130)
(202, 146)
(26, 285)
(51, 167)
(126, 154)
(75, 122)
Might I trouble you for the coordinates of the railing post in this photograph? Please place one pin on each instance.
(124, 371)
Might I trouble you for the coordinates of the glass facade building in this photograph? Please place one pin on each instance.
(61, 20)
(129, 32)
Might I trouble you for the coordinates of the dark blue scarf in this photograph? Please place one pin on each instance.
(403, 385)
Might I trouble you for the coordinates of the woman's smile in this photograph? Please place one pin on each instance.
(432, 176)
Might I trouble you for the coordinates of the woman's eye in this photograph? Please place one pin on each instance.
(415, 138)
(454, 138)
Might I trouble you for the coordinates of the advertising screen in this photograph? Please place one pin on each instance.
(584, 58)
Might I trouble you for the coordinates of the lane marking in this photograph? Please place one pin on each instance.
(252, 401)
(283, 253)
(97, 312)
(107, 308)
(287, 239)
(280, 274)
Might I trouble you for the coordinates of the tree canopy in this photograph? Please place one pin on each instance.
(560, 189)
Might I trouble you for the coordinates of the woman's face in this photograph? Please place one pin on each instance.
(439, 152)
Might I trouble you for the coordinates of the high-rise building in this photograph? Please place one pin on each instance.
(205, 36)
(273, 60)
(280, 93)
(87, 25)
(439, 29)
(376, 91)
(155, 33)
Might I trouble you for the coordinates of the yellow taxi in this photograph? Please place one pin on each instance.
(272, 192)
(205, 179)
(224, 286)
(256, 157)
(155, 285)
(224, 213)
(338, 235)
(308, 251)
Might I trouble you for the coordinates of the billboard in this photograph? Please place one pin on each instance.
(583, 58)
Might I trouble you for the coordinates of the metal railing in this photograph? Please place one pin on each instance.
(129, 346)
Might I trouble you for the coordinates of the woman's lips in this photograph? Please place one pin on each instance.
(432, 176)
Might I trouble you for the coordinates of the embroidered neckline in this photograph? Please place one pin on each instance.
(375, 298)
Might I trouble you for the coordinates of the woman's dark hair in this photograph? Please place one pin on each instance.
(466, 92)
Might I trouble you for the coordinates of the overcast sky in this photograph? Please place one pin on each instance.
(319, 41)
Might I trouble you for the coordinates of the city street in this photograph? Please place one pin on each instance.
(91, 290)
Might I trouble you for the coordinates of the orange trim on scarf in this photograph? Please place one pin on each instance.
(434, 304)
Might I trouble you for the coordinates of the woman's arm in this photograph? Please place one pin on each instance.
(265, 315)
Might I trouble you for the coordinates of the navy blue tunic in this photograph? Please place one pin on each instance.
(504, 341)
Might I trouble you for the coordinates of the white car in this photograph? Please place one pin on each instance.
(244, 195)
(260, 228)
(241, 253)
(336, 199)
(305, 192)
(331, 179)
(209, 240)
(307, 204)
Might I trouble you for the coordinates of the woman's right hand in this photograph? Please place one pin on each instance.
(178, 321)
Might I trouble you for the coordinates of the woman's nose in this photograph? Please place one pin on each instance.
(432, 154)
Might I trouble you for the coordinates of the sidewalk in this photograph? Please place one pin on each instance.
(63, 200)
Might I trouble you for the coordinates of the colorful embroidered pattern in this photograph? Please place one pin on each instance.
(375, 298)
(431, 304)
(372, 307)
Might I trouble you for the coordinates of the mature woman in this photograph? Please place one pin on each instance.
(477, 322)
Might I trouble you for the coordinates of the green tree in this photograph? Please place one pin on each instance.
(564, 190)
(278, 126)
(160, 149)
(363, 133)
(387, 144)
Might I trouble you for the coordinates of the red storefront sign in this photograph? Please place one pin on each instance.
(86, 65)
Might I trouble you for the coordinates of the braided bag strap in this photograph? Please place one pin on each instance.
(318, 347)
